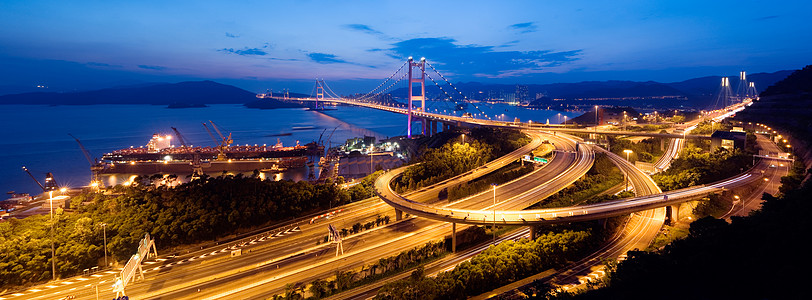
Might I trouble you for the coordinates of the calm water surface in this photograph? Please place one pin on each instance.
(37, 136)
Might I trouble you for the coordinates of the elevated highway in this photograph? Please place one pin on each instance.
(550, 215)
(469, 121)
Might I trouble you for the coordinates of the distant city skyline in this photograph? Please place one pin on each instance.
(258, 45)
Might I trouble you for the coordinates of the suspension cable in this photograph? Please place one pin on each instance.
(385, 81)
(454, 87)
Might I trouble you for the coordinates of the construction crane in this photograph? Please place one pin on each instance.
(211, 134)
(320, 135)
(50, 183)
(226, 141)
(180, 137)
(95, 166)
(328, 140)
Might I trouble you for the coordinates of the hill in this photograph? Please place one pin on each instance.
(787, 107)
(189, 92)
(692, 93)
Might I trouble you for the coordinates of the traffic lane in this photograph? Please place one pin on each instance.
(368, 252)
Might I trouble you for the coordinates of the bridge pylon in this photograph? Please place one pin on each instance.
(319, 93)
(412, 97)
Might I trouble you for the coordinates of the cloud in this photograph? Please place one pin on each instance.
(246, 51)
(363, 28)
(524, 27)
(98, 64)
(231, 35)
(508, 44)
(284, 59)
(148, 67)
(480, 61)
(325, 58)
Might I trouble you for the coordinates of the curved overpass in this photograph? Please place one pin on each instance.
(552, 215)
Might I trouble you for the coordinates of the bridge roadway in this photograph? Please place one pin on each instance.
(544, 216)
(458, 121)
(211, 270)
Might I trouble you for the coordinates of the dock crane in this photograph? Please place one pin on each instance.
(328, 140)
(223, 144)
(180, 137)
(211, 134)
(320, 135)
(50, 183)
(95, 166)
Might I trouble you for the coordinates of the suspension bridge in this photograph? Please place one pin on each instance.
(414, 73)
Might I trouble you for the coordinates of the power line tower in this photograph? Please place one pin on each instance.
(335, 237)
(412, 97)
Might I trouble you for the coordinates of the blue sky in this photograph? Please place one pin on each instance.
(357, 44)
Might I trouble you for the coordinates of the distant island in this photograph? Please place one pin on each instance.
(177, 95)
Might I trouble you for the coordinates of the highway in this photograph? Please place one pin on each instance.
(458, 121)
(638, 232)
(280, 257)
(182, 275)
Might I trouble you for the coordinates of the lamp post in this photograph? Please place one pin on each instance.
(596, 119)
(494, 213)
(627, 151)
(565, 120)
(104, 232)
(53, 251)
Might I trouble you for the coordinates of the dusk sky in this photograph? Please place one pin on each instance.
(356, 44)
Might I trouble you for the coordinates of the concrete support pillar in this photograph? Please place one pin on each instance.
(453, 237)
(447, 127)
(433, 127)
(423, 126)
(398, 215)
(533, 229)
(662, 144)
(673, 213)
(603, 222)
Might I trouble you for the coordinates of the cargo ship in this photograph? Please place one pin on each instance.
(159, 156)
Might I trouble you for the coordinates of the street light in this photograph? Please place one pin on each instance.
(494, 213)
(53, 251)
(104, 231)
(596, 119)
(627, 151)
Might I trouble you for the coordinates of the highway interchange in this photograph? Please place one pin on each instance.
(291, 254)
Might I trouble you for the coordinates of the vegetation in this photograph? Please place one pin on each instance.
(602, 176)
(202, 210)
(504, 174)
(695, 166)
(365, 189)
(753, 257)
(646, 127)
(707, 127)
(647, 150)
(454, 158)
(494, 267)
(345, 280)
